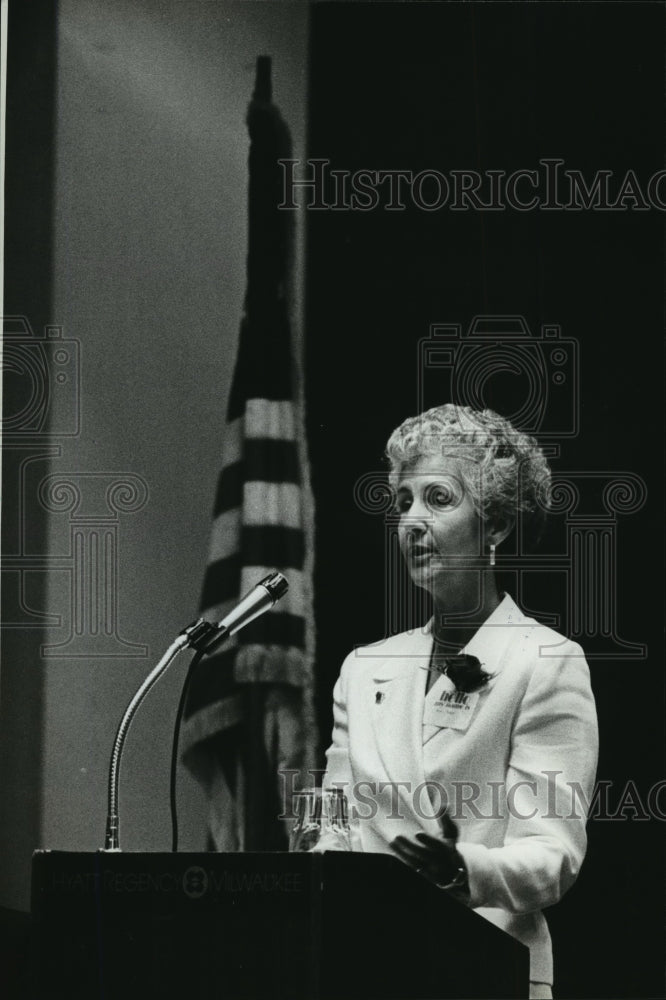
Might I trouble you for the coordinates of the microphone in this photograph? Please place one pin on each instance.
(262, 597)
(205, 637)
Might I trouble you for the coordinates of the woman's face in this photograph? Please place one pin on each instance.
(439, 530)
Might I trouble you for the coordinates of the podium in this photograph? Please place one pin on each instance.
(331, 926)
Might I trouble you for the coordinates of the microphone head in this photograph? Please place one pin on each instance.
(276, 585)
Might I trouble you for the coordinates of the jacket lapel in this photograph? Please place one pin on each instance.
(395, 689)
(395, 703)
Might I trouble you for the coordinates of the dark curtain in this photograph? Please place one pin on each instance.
(499, 87)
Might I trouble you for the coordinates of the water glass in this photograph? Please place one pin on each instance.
(322, 821)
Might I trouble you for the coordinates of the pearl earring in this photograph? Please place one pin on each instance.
(492, 553)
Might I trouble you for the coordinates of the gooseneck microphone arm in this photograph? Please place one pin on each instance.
(205, 638)
(111, 842)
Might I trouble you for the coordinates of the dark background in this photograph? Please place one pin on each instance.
(480, 86)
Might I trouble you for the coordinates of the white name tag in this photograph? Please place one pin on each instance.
(453, 710)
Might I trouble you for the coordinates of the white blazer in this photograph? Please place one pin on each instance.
(517, 780)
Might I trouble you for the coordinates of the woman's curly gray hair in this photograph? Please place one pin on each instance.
(511, 478)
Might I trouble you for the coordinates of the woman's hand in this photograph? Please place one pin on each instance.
(436, 858)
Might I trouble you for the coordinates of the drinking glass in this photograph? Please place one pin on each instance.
(322, 821)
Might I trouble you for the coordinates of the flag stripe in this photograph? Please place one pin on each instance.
(272, 504)
(215, 675)
(272, 545)
(262, 418)
(264, 503)
(269, 418)
(268, 545)
(221, 581)
(277, 628)
(225, 534)
(264, 460)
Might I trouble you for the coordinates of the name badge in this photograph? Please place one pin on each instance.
(452, 710)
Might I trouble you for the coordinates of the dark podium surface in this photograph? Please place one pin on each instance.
(326, 926)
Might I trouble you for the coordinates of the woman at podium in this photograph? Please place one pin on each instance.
(468, 747)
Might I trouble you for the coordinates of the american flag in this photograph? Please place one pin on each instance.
(249, 712)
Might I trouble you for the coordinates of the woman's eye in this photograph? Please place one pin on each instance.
(403, 503)
(440, 496)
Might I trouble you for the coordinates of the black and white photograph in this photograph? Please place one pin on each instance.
(332, 568)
